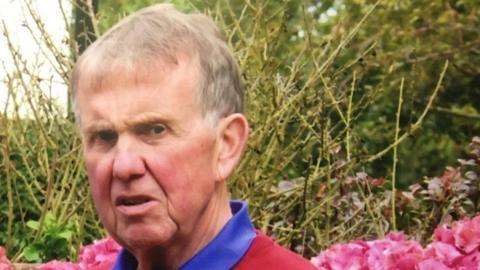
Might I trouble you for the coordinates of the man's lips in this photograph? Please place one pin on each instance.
(134, 205)
(131, 200)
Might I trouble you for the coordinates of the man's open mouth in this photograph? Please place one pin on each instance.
(132, 201)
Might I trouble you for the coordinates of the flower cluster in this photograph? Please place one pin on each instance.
(455, 248)
(100, 255)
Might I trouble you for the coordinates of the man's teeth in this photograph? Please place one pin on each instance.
(133, 201)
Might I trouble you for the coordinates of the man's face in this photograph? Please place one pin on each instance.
(150, 155)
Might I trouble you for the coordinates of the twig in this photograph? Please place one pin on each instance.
(16, 61)
(347, 39)
(457, 113)
(349, 117)
(395, 159)
(7, 165)
(48, 196)
(417, 124)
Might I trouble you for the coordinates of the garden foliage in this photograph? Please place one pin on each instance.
(350, 103)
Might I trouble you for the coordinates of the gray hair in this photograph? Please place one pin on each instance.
(160, 33)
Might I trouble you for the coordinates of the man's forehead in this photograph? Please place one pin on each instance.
(107, 76)
(100, 88)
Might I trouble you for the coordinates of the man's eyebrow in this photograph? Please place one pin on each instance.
(147, 118)
(95, 127)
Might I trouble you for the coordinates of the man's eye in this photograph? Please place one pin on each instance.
(151, 130)
(156, 129)
(106, 135)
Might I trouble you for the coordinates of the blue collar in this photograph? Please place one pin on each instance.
(223, 252)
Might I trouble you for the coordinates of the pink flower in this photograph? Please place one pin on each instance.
(391, 253)
(343, 256)
(470, 262)
(444, 235)
(444, 253)
(4, 262)
(394, 253)
(457, 248)
(100, 255)
(467, 234)
(395, 236)
(432, 264)
(58, 265)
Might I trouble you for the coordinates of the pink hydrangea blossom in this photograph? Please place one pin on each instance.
(343, 256)
(432, 264)
(470, 261)
(467, 234)
(443, 252)
(57, 265)
(4, 262)
(394, 252)
(100, 255)
(455, 248)
(391, 253)
(445, 235)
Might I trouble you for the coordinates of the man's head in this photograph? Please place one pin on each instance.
(159, 101)
(162, 33)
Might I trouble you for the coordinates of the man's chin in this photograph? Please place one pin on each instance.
(137, 236)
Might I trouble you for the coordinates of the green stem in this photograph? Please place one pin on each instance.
(395, 159)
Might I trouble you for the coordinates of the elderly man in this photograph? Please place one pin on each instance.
(159, 102)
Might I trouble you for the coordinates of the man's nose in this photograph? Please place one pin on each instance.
(128, 163)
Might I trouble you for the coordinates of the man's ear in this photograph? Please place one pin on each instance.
(231, 139)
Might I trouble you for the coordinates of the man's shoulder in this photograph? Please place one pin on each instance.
(265, 254)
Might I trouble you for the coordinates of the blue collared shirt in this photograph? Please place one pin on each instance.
(223, 252)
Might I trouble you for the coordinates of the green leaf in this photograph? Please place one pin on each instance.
(32, 254)
(32, 224)
(66, 234)
(50, 220)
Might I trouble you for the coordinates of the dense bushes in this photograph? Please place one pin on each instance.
(347, 102)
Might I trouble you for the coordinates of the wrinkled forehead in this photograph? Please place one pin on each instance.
(97, 74)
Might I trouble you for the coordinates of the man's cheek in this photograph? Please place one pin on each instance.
(165, 171)
(101, 198)
(99, 183)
